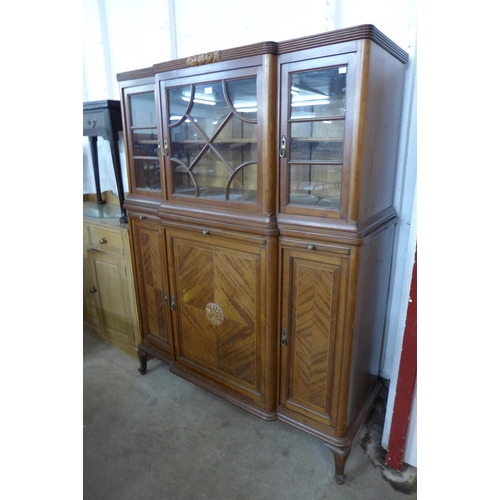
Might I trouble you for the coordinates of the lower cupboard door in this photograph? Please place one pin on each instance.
(150, 256)
(314, 288)
(220, 313)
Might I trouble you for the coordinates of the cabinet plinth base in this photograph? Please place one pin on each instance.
(224, 394)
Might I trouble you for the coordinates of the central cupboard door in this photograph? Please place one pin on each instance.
(223, 335)
(313, 319)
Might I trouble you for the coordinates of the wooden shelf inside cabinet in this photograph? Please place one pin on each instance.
(217, 141)
(316, 139)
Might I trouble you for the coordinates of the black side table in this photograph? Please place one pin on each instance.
(104, 119)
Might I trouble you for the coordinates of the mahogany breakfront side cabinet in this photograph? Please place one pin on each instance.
(261, 212)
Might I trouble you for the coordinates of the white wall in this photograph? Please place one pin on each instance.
(221, 24)
(123, 35)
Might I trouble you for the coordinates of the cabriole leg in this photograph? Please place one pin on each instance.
(340, 454)
(143, 360)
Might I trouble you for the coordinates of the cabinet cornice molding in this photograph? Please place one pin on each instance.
(135, 74)
(256, 49)
(361, 32)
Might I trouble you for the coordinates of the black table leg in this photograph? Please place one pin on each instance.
(95, 164)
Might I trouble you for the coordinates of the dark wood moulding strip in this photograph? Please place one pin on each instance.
(361, 32)
(255, 49)
(364, 31)
(135, 74)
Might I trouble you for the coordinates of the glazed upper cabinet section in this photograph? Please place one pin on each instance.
(316, 104)
(144, 143)
(212, 125)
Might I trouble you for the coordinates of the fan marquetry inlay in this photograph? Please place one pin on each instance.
(214, 314)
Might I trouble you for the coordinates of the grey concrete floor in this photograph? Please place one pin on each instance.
(158, 436)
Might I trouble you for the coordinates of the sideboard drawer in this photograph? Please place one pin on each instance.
(93, 121)
(106, 240)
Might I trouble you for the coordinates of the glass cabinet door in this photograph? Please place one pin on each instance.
(213, 137)
(312, 159)
(145, 147)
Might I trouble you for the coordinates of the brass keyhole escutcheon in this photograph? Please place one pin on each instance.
(283, 146)
(283, 337)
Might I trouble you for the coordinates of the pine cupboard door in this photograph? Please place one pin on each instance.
(113, 298)
(222, 333)
(151, 282)
(314, 288)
